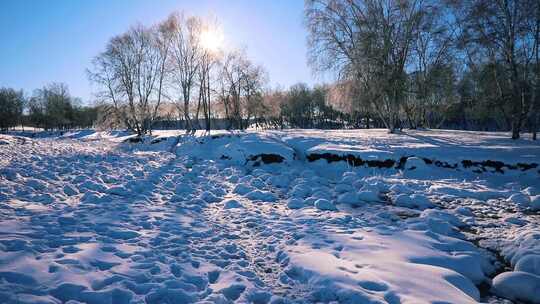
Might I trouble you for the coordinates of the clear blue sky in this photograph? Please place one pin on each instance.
(55, 41)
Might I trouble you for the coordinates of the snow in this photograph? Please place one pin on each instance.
(232, 204)
(247, 217)
(369, 195)
(258, 195)
(377, 267)
(520, 199)
(295, 203)
(377, 143)
(418, 201)
(324, 204)
(529, 263)
(534, 203)
(518, 285)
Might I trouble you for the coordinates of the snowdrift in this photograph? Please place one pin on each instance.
(238, 148)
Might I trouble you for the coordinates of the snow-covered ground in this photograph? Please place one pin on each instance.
(294, 216)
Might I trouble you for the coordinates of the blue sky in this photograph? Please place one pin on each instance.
(46, 41)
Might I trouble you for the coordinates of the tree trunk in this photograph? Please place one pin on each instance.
(367, 120)
(186, 115)
(516, 127)
(208, 124)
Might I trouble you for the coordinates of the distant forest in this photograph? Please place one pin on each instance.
(459, 64)
(49, 108)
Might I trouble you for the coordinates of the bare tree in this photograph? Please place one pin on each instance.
(431, 77)
(207, 62)
(162, 43)
(255, 80)
(241, 87)
(369, 42)
(499, 31)
(232, 74)
(127, 73)
(186, 60)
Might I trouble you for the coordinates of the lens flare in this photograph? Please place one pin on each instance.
(212, 39)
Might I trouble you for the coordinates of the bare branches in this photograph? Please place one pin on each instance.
(241, 86)
(131, 73)
(369, 42)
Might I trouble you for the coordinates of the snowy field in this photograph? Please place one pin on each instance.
(293, 216)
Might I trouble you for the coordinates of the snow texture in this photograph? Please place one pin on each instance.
(252, 217)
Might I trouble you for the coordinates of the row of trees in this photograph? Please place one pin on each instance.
(49, 108)
(176, 62)
(399, 63)
(409, 61)
(300, 107)
(175, 70)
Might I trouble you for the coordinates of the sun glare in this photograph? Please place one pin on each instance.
(212, 39)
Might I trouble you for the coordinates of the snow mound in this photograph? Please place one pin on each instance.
(344, 275)
(349, 198)
(324, 204)
(520, 199)
(534, 204)
(295, 203)
(529, 263)
(357, 151)
(369, 195)
(232, 204)
(263, 196)
(517, 285)
(237, 148)
(416, 163)
(413, 201)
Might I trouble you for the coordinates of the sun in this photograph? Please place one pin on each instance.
(212, 39)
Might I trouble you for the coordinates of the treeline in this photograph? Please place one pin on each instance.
(48, 108)
(408, 63)
(176, 70)
(416, 64)
(303, 107)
